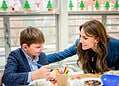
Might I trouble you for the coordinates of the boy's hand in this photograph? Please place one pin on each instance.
(40, 73)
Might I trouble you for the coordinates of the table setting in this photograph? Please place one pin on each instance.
(66, 78)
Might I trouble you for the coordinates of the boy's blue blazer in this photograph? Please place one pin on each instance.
(17, 68)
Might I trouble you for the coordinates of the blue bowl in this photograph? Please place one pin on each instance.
(110, 80)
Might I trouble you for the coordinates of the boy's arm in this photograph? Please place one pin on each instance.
(10, 74)
(72, 50)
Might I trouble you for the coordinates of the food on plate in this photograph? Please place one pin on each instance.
(56, 71)
(92, 83)
(60, 71)
(61, 77)
(89, 79)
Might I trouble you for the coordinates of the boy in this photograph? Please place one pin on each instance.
(24, 64)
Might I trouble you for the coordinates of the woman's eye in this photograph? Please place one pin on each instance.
(85, 38)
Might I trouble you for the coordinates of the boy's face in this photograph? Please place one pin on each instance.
(34, 49)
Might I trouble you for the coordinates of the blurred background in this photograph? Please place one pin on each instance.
(58, 19)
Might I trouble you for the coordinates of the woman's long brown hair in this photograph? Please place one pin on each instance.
(94, 28)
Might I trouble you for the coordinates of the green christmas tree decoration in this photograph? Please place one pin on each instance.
(49, 5)
(4, 5)
(82, 5)
(116, 5)
(97, 6)
(70, 5)
(26, 5)
(107, 5)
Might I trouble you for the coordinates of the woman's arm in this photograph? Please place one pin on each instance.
(72, 50)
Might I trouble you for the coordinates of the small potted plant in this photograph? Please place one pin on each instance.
(107, 5)
(49, 6)
(27, 6)
(4, 6)
(70, 5)
(82, 5)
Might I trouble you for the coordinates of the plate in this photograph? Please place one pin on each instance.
(89, 80)
(81, 82)
(40, 82)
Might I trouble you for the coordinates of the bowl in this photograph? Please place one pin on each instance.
(110, 80)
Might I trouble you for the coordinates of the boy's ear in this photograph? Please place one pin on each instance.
(24, 46)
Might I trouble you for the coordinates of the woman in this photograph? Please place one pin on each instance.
(96, 51)
(93, 47)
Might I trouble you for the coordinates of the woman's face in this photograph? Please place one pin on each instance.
(87, 41)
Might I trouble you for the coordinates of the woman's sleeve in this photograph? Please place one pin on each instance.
(58, 56)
